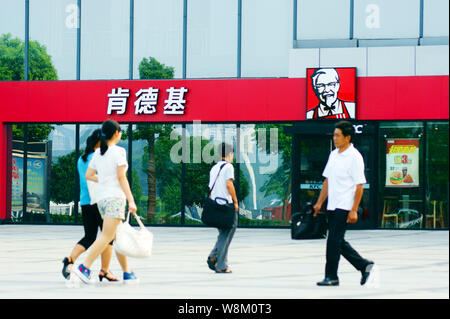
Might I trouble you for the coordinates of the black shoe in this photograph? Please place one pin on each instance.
(367, 272)
(211, 263)
(328, 282)
(66, 262)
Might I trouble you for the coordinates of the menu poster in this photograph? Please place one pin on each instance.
(402, 162)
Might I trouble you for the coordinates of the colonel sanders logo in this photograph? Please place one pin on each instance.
(331, 93)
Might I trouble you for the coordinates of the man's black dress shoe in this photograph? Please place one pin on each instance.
(328, 282)
(366, 272)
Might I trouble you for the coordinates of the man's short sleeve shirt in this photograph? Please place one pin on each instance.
(344, 171)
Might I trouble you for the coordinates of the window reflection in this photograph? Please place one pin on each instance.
(14, 26)
(201, 154)
(156, 178)
(378, 19)
(437, 174)
(325, 19)
(158, 33)
(435, 18)
(12, 40)
(401, 204)
(53, 38)
(212, 43)
(266, 37)
(105, 33)
(265, 162)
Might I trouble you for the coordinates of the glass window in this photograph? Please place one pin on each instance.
(12, 40)
(437, 175)
(50, 173)
(323, 19)
(201, 154)
(105, 34)
(53, 39)
(156, 172)
(265, 163)
(158, 33)
(63, 173)
(377, 19)
(211, 38)
(435, 18)
(16, 25)
(17, 157)
(87, 129)
(38, 163)
(401, 160)
(266, 38)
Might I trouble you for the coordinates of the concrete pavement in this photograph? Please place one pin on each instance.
(266, 264)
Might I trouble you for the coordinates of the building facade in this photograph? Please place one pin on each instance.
(241, 72)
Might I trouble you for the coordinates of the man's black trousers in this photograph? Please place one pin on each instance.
(337, 246)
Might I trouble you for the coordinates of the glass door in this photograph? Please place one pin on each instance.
(313, 156)
(314, 152)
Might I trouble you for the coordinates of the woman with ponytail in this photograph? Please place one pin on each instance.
(108, 168)
(90, 214)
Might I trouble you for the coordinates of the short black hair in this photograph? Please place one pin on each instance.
(225, 149)
(346, 127)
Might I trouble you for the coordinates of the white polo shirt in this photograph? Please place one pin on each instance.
(344, 171)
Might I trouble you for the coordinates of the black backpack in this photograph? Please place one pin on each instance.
(305, 226)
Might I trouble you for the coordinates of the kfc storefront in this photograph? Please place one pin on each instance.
(281, 127)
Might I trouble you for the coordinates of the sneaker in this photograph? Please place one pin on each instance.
(130, 278)
(83, 273)
(366, 273)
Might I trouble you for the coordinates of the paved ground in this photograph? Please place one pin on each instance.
(266, 263)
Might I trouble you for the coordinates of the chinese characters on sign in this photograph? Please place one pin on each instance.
(402, 162)
(147, 101)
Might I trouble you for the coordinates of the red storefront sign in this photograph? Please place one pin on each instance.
(225, 100)
(246, 100)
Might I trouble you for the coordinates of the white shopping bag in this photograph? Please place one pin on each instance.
(133, 242)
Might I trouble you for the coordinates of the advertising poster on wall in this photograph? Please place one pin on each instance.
(36, 183)
(402, 162)
(16, 184)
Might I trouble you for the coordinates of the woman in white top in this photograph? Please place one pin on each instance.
(92, 219)
(108, 168)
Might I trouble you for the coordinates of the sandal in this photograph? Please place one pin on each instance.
(66, 261)
(223, 271)
(106, 274)
(211, 263)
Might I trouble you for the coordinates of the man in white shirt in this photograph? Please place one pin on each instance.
(221, 179)
(343, 185)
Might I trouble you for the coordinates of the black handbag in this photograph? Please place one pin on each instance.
(305, 226)
(215, 214)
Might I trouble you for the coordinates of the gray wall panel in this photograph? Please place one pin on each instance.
(345, 57)
(432, 60)
(374, 61)
(390, 61)
(300, 59)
